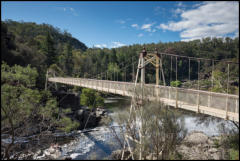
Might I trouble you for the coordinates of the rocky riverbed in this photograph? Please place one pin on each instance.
(196, 145)
(32, 146)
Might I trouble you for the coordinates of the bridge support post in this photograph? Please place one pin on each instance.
(198, 101)
(176, 97)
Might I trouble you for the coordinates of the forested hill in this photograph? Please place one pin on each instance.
(39, 45)
(26, 40)
(27, 32)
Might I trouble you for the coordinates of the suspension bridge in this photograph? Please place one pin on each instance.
(221, 105)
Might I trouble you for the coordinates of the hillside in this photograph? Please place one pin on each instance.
(24, 40)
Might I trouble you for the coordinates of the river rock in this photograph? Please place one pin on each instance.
(80, 112)
(198, 145)
(117, 154)
(89, 118)
(38, 154)
(53, 152)
(100, 112)
(196, 137)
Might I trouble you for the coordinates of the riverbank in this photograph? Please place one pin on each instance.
(33, 145)
(99, 142)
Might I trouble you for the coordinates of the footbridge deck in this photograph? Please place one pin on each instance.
(215, 104)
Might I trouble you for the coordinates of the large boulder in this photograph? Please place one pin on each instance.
(197, 145)
(196, 137)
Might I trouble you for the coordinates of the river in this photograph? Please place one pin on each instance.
(99, 144)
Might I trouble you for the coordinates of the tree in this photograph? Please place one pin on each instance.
(49, 50)
(91, 98)
(113, 71)
(153, 129)
(24, 107)
(69, 59)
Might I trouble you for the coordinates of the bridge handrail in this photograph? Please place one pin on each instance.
(187, 90)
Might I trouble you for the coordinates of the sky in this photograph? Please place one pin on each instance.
(109, 24)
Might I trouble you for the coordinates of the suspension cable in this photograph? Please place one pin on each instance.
(225, 61)
(121, 69)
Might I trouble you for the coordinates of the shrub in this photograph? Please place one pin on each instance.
(176, 83)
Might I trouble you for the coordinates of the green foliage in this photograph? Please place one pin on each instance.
(99, 100)
(56, 70)
(113, 69)
(17, 75)
(220, 81)
(91, 98)
(66, 124)
(234, 154)
(49, 50)
(20, 102)
(17, 103)
(176, 83)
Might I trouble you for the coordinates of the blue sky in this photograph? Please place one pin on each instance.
(114, 24)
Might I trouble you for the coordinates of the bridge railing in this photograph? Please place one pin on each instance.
(226, 103)
(197, 97)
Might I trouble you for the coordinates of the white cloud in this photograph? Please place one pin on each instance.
(117, 44)
(104, 45)
(135, 26)
(147, 27)
(98, 46)
(140, 35)
(64, 9)
(101, 46)
(72, 9)
(209, 19)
